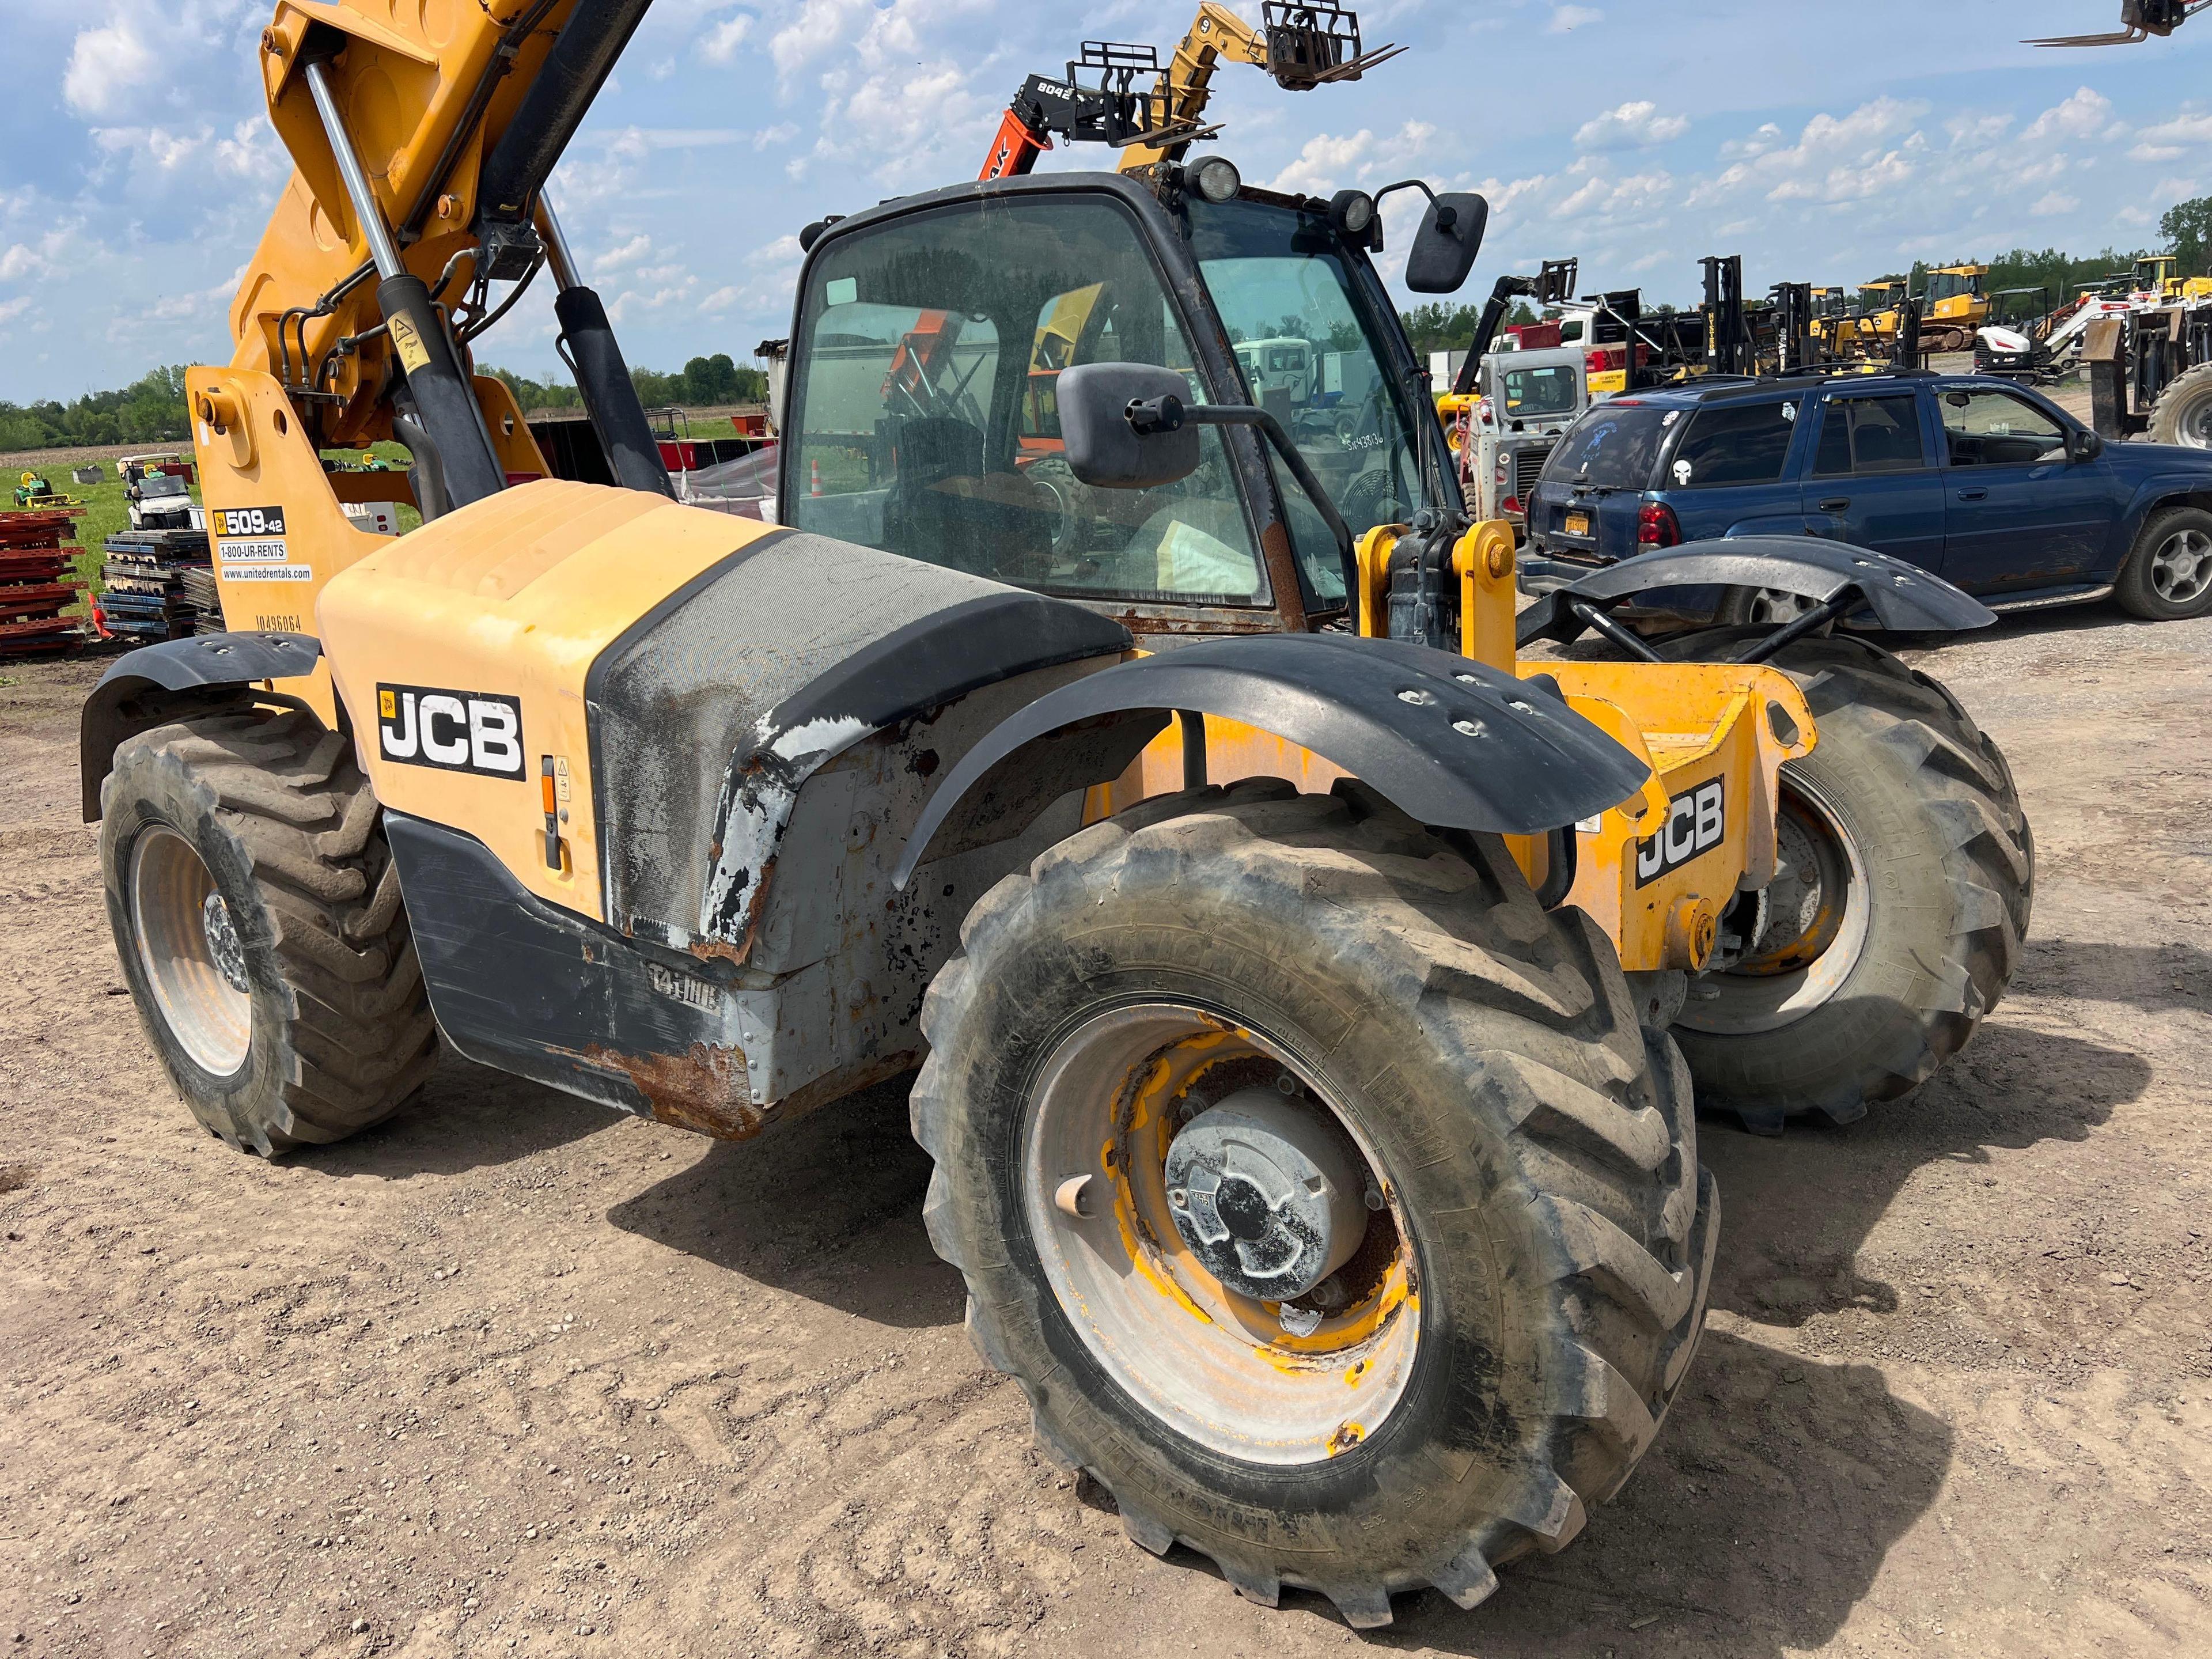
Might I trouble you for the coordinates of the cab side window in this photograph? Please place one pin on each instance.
(1864, 436)
(1996, 428)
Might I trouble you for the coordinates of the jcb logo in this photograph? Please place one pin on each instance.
(478, 731)
(1697, 822)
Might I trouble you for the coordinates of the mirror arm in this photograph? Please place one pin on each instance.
(1446, 216)
(1149, 415)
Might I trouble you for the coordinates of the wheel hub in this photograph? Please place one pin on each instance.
(222, 942)
(2183, 568)
(1264, 1196)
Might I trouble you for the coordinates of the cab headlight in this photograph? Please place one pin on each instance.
(1216, 179)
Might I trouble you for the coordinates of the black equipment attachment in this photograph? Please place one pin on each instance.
(1313, 44)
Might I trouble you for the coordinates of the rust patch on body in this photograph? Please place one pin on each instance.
(703, 1089)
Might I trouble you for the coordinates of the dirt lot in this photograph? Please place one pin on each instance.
(513, 1376)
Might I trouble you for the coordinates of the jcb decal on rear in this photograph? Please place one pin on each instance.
(478, 731)
(1697, 822)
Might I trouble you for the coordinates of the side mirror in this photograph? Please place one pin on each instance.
(1450, 238)
(2082, 445)
(1104, 449)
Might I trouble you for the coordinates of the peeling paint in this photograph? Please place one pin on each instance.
(754, 813)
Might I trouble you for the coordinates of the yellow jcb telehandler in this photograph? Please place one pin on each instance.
(1257, 916)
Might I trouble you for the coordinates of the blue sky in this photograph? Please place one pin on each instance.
(137, 167)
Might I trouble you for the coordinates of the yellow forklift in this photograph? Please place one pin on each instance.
(1307, 987)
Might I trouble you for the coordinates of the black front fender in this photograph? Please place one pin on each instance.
(1903, 598)
(155, 683)
(1447, 740)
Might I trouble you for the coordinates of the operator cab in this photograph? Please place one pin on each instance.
(931, 335)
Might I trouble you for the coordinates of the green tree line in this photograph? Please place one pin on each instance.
(702, 383)
(151, 410)
(1439, 326)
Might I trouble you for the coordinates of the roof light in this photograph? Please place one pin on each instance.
(1353, 211)
(1216, 179)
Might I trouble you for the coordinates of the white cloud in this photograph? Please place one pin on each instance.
(1768, 136)
(1565, 19)
(891, 111)
(2168, 141)
(1835, 158)
(784, 251)
(2084, 115)
(1633, 125)
(2054, 203)
(720, 44)
(1328, 163)
(166, 150)
(819, 26)
(253, 151)
(1976, 132)
(105, 65)
(1639, 194)
(633, 251)
(11, 309)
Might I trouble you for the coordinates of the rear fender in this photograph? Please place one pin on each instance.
(1903, 598)
(156, 683)
(1449, 741)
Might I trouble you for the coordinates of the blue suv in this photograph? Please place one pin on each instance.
(1994, 489)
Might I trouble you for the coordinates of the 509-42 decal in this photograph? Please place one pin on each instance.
(1697, 822)
(476, 732)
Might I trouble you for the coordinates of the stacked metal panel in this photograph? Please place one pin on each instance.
(145, 599)
(35, 586)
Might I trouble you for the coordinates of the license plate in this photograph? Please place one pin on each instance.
(1578, 524)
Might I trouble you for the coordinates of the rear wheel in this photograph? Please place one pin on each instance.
(1902, 894)
(1319, 1188)
(2168, 574)
(257, 917)
(2184, 414)
(1760, 606)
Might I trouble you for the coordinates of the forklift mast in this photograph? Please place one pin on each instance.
(1301, 46)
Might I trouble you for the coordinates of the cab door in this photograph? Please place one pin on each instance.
(2023, 513)
(1874, 481)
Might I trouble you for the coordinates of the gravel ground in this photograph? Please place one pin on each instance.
(513, 1376)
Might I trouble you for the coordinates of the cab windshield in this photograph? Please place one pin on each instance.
(926, 418)
(1304, 322)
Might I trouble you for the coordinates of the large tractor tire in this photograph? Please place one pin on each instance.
(1895, 921)
(2184, 412)
(1319, 1188)
(258, 917)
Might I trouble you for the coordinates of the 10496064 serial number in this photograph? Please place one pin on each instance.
(278, 622)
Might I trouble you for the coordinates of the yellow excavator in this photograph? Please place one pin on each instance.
(1318, 1146)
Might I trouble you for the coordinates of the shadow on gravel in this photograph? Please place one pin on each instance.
(467, 1117)
(2155, 978)
(1776, 1490)
(1798, 1209)
(827, 1208)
